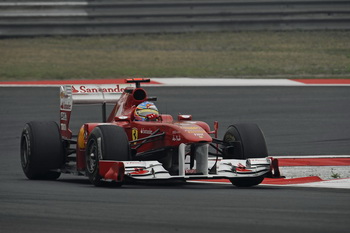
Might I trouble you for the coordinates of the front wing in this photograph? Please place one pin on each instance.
(153, 170)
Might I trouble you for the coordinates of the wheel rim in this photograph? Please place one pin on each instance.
(92, 157)
(25, 152)
(230, 138)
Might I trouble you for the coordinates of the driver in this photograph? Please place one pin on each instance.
(146, 111)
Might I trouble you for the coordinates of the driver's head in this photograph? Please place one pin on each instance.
(146, 111)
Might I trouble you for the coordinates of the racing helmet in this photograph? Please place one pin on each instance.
(146, 111)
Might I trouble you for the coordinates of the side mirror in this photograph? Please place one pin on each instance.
(121, 118)
(184, 117)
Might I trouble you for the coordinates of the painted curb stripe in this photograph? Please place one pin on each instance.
(287, 162)
(300, 180)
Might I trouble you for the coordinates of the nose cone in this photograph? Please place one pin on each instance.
(192, 133)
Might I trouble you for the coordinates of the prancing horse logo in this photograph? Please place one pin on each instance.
(134, 134)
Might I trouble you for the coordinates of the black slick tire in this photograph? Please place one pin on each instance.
(248, 181)
(106, 142)
(248, 142)
(41, 150)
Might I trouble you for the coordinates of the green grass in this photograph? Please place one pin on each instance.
(216, 54)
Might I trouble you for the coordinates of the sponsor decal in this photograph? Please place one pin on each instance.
(134, 134)
(63, 127)
(146, 131)
(189, 127)
(63, 116)
(66, 101)
(176, 138)
(66, 105)
(193, 129)
(138, 171)
(190, 171)
(63, 94)
(81, 89)
(240, 168)
(200, 135)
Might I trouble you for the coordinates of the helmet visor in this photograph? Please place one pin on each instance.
(146, 112)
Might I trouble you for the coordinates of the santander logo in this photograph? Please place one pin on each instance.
(87, 89)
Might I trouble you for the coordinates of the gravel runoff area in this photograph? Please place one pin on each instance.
(326, 167)
(324, 172)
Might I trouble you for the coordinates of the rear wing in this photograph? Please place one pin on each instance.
(91, 94)
(87, 94)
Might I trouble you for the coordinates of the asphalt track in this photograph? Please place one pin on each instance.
(295, 120)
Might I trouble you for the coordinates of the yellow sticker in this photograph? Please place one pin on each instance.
(134, 134)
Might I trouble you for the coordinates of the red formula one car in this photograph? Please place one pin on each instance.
(135, 142)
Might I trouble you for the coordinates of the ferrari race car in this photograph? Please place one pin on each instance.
(136, 143)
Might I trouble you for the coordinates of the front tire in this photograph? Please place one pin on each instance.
(41, 150)
(106, 142)
(248, 181)
(247, 141)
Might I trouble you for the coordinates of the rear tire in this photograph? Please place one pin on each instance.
(106, 142)
(248, 142)
(41, 150)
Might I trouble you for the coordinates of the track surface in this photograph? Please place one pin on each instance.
(296, 121)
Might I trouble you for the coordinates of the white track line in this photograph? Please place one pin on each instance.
(226, 82)
(234, 82)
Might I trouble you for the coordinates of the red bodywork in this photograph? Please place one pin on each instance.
(183, 130)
